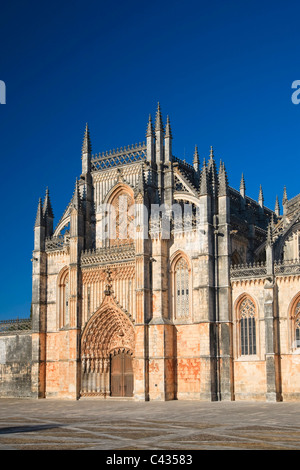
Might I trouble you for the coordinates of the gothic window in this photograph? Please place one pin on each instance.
(297, 325)
(181, 289)
(121, 219)
(297, 332)
(247, 327)
(64, 299)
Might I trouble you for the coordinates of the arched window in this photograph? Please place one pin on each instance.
(121, 218)
(181, 284)
(247, 327)
(63, 299)
(296, 317)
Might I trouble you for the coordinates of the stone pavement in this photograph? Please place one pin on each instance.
(90, 424)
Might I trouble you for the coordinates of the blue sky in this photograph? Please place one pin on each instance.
(222, 70)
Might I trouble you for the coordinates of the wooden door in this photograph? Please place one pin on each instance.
(121, 383)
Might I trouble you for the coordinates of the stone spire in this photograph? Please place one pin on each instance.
(284, 199)
(196, 161)
(140, 186)
(48, 214)
(204, 184)
(261, 197)
(39, 229)
(150, 131)
(87, 146)
(168, 132)
(158, 121)
(212, 171)
(284, 202)
(150, 141)
(76, 200)
(277, 207)
(47, 208)
(211, 154)
(159, 144)
(168, 142)
(223, 181)
(39, 220)
(242, 186)
(86, 152)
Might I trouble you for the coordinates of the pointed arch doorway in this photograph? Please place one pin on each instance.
(107, 349)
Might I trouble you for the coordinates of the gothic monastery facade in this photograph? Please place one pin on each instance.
(162, 282)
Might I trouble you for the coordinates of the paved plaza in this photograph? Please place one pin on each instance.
(89, 424)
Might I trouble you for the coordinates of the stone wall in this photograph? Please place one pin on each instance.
(15, 365)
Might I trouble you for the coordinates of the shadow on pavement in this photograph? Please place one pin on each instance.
(34, 428)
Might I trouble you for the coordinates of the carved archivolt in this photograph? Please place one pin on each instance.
(108, 329)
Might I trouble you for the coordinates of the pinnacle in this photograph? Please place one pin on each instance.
(86, 146)
(196, 155)
(140, 187)
(39, 220)
(242, 186)
(212, 170)
(47, 208)
(168, 129)
(196, 161)
(158, 122)
(242, 183)
(149, 132)
(204, 181)
(211, 161)
(277, 207)
(223, 181)
(76, 196)
(284, 199)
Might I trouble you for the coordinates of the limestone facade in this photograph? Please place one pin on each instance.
(201, 307)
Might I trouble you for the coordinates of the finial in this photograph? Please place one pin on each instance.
(211, 154)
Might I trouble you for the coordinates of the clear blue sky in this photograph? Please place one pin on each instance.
(222, 70)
